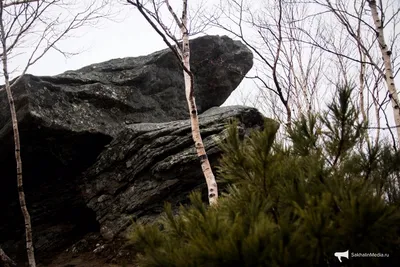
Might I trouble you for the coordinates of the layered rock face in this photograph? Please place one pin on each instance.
(150, 163)
(112, 140)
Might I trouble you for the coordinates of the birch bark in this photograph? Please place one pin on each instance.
(386, 56)
(17, 145)
(194, 119)
(183, 55)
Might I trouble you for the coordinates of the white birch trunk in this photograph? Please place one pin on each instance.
(201, 152)
(21, 194)
(184, 55)
(389, 77)
(17, 145)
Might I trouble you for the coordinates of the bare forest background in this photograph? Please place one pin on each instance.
(305, 49)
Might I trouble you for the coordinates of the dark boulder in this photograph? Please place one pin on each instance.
(67, 120)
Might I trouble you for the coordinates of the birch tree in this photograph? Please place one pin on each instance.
(181, 49)
(39, 24)
(304, 48)
(371, 30)
(386, 56)
(287, 73)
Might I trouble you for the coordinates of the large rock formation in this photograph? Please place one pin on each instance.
(104, 143)
(150, 163)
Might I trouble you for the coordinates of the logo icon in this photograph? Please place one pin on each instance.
(339, 255)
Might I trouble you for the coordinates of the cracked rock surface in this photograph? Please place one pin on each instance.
(150, 163)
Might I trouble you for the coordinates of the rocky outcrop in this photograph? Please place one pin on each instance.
(150, 163)
(111, 141)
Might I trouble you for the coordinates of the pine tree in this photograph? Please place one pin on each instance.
(288, 205)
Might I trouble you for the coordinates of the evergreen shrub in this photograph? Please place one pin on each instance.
(289, 204)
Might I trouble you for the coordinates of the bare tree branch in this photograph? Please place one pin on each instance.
(5, 260)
